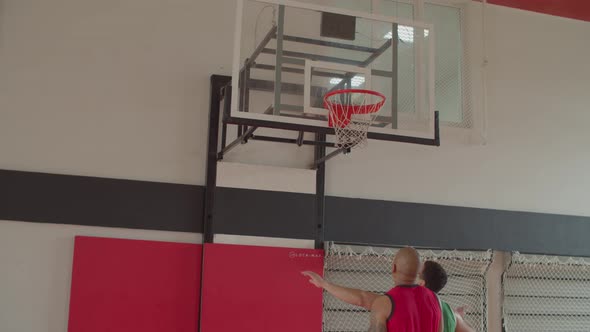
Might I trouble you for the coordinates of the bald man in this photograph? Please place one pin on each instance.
(407, 307)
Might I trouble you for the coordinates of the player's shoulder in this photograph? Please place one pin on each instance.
(384, 305)
(383, 300)
(446, 305)
(428, 293)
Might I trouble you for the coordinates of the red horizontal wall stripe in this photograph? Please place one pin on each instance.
(576, 9)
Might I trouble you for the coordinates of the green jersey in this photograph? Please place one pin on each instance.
(448, 316)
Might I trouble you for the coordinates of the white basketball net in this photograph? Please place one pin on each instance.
(369, 268)
(351, 113)
(547, 293)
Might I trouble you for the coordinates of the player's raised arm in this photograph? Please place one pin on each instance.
(462, 325)
(380, 311)
(352, 296)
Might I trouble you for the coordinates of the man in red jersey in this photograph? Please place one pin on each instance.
(407, 307)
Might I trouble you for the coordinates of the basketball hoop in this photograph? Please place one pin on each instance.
(351, 113)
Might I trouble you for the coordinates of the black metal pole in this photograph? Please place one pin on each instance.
(326, 130)
(217, 83)
(320, 192)
(242, 139)
(290, 140)
(242, 89)
(436, 129)
(300, 138)
(246, 105)
(322, 160)
(226, 114)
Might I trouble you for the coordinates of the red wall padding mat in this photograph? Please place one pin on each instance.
(260, 289)
(131, 285)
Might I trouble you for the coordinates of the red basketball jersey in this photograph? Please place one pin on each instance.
(413, 309)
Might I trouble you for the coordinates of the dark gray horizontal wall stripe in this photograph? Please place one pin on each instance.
(395, 223)
(79, 200)
(264, 213)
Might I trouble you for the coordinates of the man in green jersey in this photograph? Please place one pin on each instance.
(434, 277)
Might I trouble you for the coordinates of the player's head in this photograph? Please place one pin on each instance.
(406, 265)
(433, 276)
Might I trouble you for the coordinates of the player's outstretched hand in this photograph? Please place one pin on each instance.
(461, 311)
(315, 279)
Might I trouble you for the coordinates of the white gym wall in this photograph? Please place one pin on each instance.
(121, 89)
(130, 81)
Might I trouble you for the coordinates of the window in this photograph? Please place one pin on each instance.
(452, 82)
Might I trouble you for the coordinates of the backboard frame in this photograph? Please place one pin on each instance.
(236, 116)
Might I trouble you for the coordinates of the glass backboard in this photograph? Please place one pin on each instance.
(289, 55)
